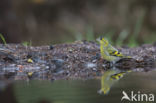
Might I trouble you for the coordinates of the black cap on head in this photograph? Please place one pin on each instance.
(101, 37)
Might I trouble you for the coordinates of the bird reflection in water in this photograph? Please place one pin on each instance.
(109, 78)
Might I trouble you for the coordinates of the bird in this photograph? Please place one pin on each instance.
(108, 52)
(109, 78)
(111, 54)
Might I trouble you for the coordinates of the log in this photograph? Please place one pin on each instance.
(78, 60)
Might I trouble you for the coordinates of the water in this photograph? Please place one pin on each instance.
(84, 91)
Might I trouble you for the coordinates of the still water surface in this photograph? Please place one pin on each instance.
(84, 91)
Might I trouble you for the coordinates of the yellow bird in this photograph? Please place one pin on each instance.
(106, 81)
(107, 51)
(110, 53)
(109, 78)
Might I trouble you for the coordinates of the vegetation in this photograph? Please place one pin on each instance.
(3, 39)
(126, 37)
(26, 43)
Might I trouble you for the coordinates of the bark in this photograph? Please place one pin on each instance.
(80, 59)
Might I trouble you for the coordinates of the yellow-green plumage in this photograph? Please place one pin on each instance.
(104, 52)
(109, 78)
(106, 81)
(108, 52)
(118, 75)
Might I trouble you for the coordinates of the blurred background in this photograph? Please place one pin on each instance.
(44, 22)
